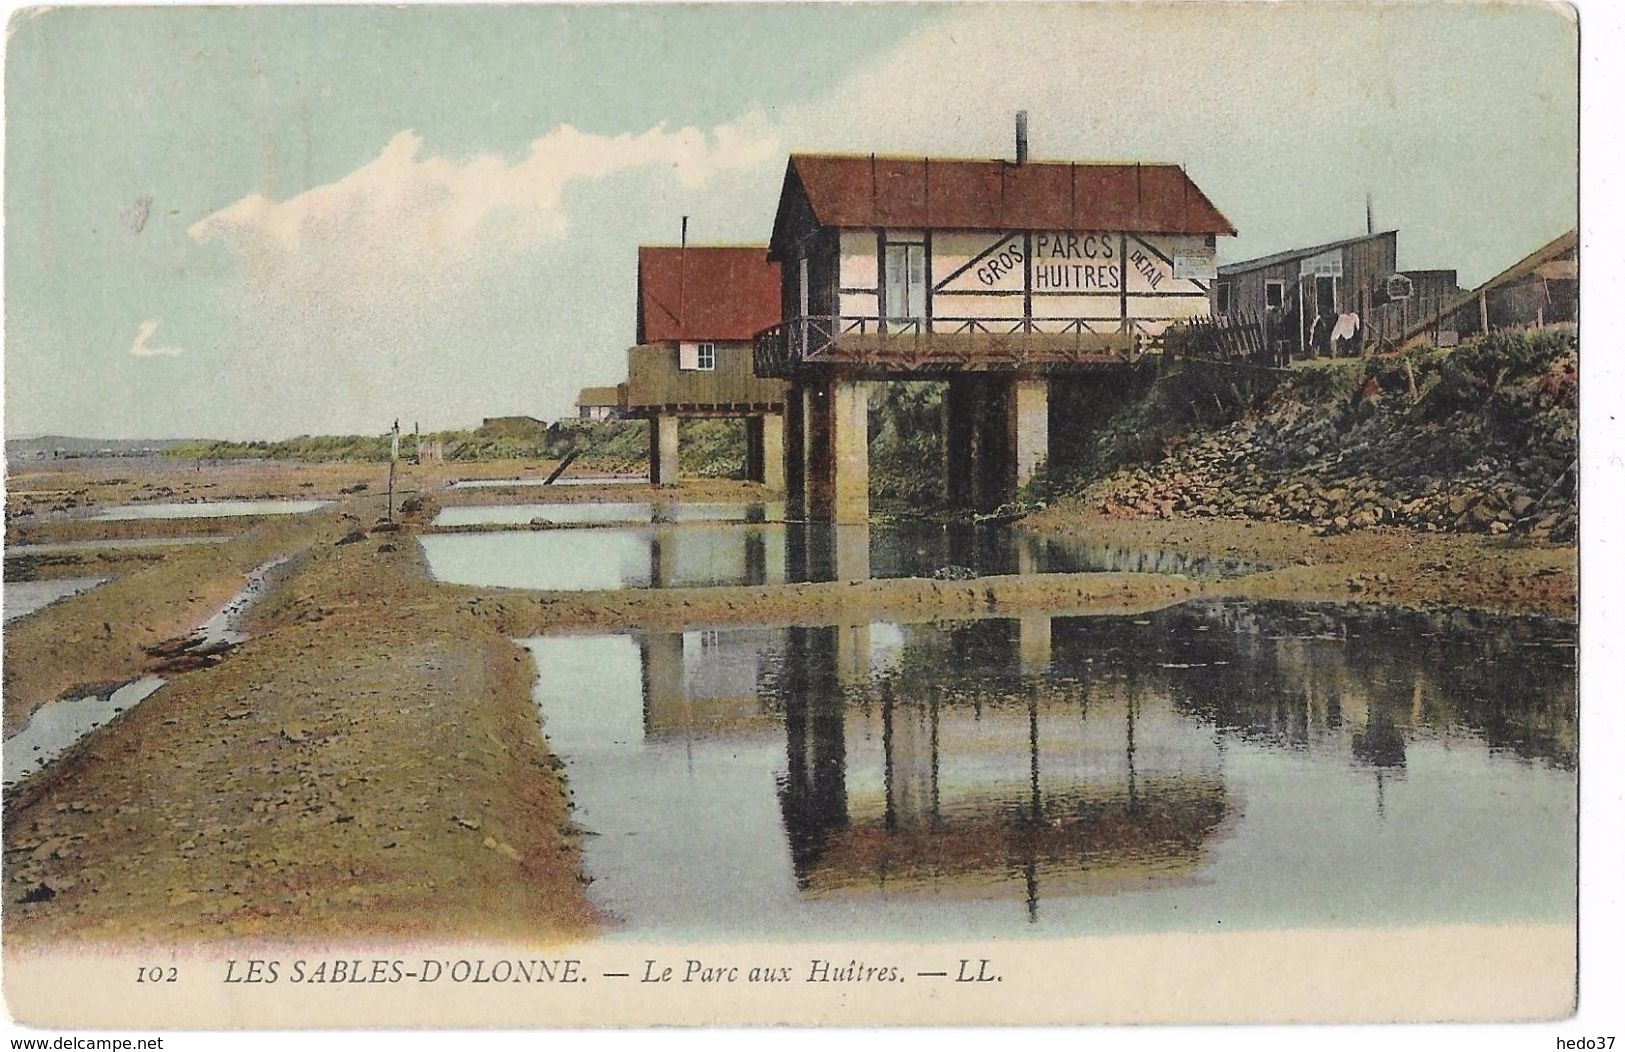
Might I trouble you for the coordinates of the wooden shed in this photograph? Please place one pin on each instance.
(599, 403)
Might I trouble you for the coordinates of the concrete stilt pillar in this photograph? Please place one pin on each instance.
(663, 450)
(795, 453)
(1027, 423)
(850, 552)
(764, 450)
(997, 433)
(772, 443)
(959, 429)
(974, 448)
(838, 452)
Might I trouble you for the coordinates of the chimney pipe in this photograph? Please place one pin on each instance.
(1021, 136)
(682, 278)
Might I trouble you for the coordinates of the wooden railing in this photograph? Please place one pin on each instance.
(948, 344)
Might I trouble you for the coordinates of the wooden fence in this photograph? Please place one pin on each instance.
(1233, 338)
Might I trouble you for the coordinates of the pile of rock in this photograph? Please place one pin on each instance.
(1378, 458)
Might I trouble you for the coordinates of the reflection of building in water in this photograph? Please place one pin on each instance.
(694, 554)
(686, 557)
(1050, 756)
(705, 683)
(1361, 680)
(957, 786)
(823, 552)
(711, 682)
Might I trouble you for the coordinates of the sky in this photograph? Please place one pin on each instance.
(259, 223)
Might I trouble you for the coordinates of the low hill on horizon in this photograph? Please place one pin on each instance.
(48, 444)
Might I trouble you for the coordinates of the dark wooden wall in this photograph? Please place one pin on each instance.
(653, 379)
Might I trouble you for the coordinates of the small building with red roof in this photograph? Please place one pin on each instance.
(699, 308)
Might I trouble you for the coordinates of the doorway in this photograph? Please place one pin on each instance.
(905, 286)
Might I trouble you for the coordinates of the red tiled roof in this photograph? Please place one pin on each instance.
(861, 191)
(705, 292)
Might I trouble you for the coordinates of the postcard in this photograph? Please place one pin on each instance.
(816, 514)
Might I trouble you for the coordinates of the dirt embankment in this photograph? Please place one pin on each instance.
(516, 612)
(37, 492)
(89, 562)
(693, 490)
(368, 765)
(99, 638)
(1382, 564)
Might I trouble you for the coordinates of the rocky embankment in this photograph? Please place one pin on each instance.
(1480, 439)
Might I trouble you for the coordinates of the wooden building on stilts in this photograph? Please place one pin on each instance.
(992, 275)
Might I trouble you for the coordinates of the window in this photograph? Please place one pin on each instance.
(1274, 294)
(1221, 298)
(696, 356)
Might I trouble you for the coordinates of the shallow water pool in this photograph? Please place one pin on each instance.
(1214, 766)
(700, 555)
(208, 509)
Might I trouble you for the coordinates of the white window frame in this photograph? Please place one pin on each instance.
(1280, 285)
(705, 357)
(1223, 294)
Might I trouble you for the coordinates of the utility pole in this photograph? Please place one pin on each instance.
(394, 455)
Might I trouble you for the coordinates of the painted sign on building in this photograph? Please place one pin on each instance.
(1060, 262)
(999, 280)
(1195, 259)
(1068, 262)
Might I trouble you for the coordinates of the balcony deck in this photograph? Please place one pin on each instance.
(905, 347)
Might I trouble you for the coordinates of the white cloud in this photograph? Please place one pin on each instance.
(142, 349)
(407, 221)
(1287, 114)
(444, 290)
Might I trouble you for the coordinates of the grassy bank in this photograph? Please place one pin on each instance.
(708, 448)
